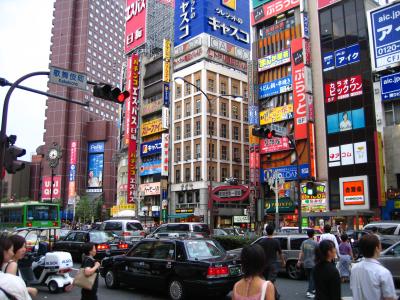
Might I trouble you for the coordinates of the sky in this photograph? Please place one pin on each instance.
(25, 31)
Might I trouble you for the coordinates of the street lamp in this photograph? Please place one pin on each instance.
(276, 181)
(181, 81)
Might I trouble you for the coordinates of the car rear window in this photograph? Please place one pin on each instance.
(203, 249)
(134, 226)
(295, 243)
(112, 226)
(177, 227)
(201, 228)
(100, 237)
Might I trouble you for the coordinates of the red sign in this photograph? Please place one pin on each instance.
(272, 9)
(353, 192)
(299, 90)
(325, 3)
(46, 187)
(274, 145)
(73, 153)
(135, 24)
(313, 159)
(228, 60)
(133, 88)
(343, 89)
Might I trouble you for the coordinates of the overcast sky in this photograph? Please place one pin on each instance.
(25, 31)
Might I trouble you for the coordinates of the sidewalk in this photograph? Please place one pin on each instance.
(351, 298)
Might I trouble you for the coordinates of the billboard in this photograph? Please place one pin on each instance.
(164, 154)
(96, 147)
(46, 188)
(277, 114)
(150, 148)
(228, 48)
(135, 24)
(132, 121)
(274, 60)
(347, 120)
(316, 203)
(341, 57)
(271, 9)
(343, 89)
(150, 189)
(390, 87)
(354, 194)
(152, 127)
(348, 154)
(275, 87)
(274, 145)
(150, 167)
(72, 172)
(289, 173)
(227, 60)
(95, 170)
(224, 19)
(384, 36)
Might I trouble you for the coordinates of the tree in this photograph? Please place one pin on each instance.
(83, 209)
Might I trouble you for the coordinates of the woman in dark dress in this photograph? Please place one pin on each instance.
(327, 279)
(91, 266)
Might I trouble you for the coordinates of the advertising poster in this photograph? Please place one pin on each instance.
(390, 87)
(271, 9)
(277, 114)
(347, 56)
(135, 24)
(354, 193)
(152, 127)
(274, 145)
(166, 60)
(229, 48)
(274, 60)
(95, 170)
(46, 188)
(275, 87)
(312, 151)
(328, 61)
(343, 89)
(347, 120)
(150, 167)
(317, 203)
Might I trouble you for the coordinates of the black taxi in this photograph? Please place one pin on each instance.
(183, 267)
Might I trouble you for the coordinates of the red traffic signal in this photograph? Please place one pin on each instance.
(123, 96)
(110, 93)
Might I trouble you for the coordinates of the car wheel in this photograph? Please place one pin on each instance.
(292, 270)
(53, 287)
(176, 290)
(110, 280)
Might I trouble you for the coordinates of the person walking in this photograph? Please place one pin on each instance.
(307, 260)
(327, 278)
(346, 257)
(272, 250)
(369, 279)
(327, 235)
(253, 286)
(91, 266)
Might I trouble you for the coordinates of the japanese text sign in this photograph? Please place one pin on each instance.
(390, 87)
(68, 78)
(274, 145)
(325, 3)
(150, 168)
(288, 172)
(150, 189)
(343, 89)
(135, 24)
(164, 154)
(314, 203)
(271, 9)
(341, 57)
(276, 114)
(275, 87)
(152, 127)
(354, 193)
(348, 154)
(150, 148)
(274, 60)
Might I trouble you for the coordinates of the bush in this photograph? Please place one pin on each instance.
(230, 242)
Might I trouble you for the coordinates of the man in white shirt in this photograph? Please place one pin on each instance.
(329, 236)
(369, 279)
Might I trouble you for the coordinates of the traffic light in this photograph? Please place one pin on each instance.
(11, 162)
(110, 93)
(311, 189)
(264, 132)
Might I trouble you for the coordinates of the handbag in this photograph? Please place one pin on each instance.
(83, 281)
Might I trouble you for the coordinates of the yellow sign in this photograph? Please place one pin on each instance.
(274, 60)
(152, 127)
(253, 140)
(167, 49)
(276, 114)
(117, 208)
(166, 71)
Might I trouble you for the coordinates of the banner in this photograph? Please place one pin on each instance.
(150, 148)
(253, 114)
(95, 170)
(150, 189)
(390, 87)
(164, 154)
(165, 118)
(277, 114)
(288, 172)
(354, 193)
(46, 188)
(132, 120)
(312, 151)
(271, 9)
(343, 89)
(167, 60)
(150, 167)
(275, 87)
(317, 203)
(152, 127)
(72, 172)
(274, 145)
(135, 24)
(274, 60)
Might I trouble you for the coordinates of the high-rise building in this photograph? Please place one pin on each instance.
(87, 37)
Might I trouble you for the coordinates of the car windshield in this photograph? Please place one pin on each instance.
(203, 249)
(101, 237)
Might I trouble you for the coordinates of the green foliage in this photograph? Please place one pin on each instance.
(87, 208)
(230, 242)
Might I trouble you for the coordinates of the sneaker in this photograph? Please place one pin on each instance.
(310, 295)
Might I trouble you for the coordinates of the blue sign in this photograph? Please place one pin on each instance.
(275, 87)
(390, 87)
(328, 61)
(347, 120)
(227, 20)
(166, 94)
(150, 167)
(253, 114)
(96, 147)
(95, 170)
(288, 172)
(385, 31)
(72, 172)
(150, 148)
(347, 56)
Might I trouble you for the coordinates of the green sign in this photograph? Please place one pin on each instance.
(304, 222)
(286, 205)
(164, 215)
(257, 3)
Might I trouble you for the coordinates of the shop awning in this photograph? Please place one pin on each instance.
(180, 216)
(340, 213)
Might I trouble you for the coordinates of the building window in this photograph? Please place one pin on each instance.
(178, 112)
(236, 173)
(245, 115)
(198, 176)
(188, 155)
(187, 88)
(178, 154)
(198, 151)
(177, 176)
(224, 153)
(198, 106)
(236, 155)
(223, 109)
(197, 84)
(187, 174)
(189, 197)
(187, 130)
(392, 113)
(246, 157)
(211, 85)
(223, 88)
(224, 173)
(223, 131)
(198, 128)
(211, 173)
(246, 135)
(235, 90)
(211, 151)
(187, 109)
(211, 126)
(235, 112)
(236, 133)
(178, 91)
(177, 133)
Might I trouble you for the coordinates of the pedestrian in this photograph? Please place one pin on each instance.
(91, 266)
(11, 266)
(346, 257)
(253, 286)
(11, 286)
(272, 250)
(374, 231)
(327, 235)
(369, 279)
(307, 260)
(327, 278)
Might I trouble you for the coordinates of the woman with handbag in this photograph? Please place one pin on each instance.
(90, 268)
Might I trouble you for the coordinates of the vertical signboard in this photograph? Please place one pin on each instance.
(95, 167)
(164, 154)
(354, 193)
(135, 24)
(46, 188)
(133, 88)
(72, 172)
(166, 60)
(313, 159)
(380, 169)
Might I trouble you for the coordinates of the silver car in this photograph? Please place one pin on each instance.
(390, 258)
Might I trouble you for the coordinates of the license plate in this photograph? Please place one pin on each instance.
(114, 247)
(234, 271)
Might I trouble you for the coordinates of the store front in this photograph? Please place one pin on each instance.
(287, 212)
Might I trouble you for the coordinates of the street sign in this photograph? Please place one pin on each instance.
(68, 78)
(279, 130)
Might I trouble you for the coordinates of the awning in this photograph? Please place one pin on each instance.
(340, 213)
(180, 216)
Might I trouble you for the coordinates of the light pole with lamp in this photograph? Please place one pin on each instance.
(276, 181)
(181, 81)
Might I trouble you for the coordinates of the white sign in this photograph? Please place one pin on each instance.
(229, 49)
(165, 117)
(68, 78)
(241, 219)
(164, 154)
(150, 189)
(348, 154)
(230, 193)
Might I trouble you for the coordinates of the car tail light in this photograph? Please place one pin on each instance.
(126, 233)
(216, 272)
(123, 246)
(142, 233)
(55, 224)
(29, 224)
(103, 247)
